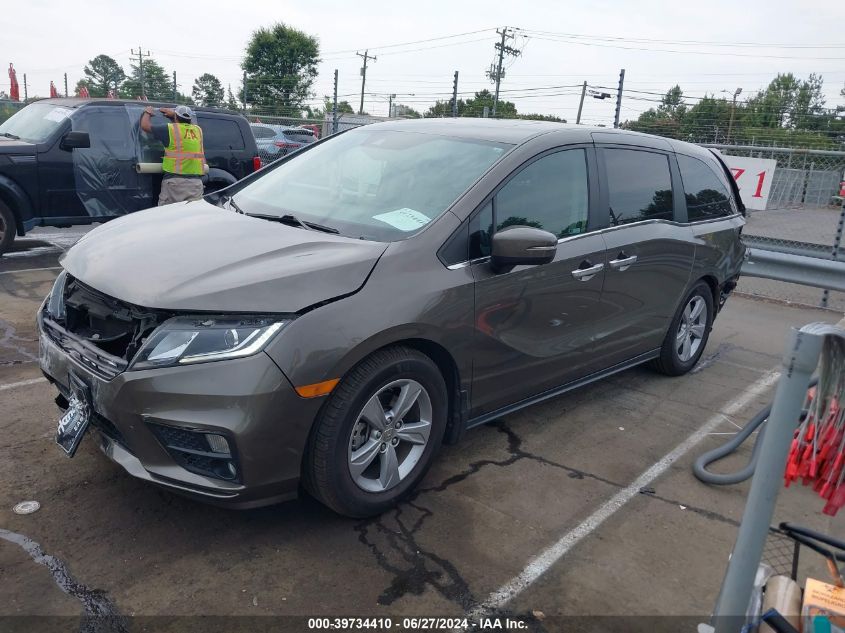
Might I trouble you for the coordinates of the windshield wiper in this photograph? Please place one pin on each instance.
(292, 220)
(11, 136)
(230, 200)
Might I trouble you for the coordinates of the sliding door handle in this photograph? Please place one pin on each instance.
(585, 274)
(623, 263)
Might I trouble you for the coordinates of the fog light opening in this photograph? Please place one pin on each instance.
(218, 443)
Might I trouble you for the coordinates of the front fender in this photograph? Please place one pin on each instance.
(18, 201)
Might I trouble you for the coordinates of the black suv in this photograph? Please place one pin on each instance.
(75, 161)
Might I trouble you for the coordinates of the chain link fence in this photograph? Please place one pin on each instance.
(277, 136)
(803, 216)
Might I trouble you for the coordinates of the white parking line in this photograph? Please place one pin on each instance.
(29, 270)
(22, 383)
(544, 561)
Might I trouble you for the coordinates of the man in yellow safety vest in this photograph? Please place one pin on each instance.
(184, 161)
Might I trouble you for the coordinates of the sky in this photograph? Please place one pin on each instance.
(706, 47)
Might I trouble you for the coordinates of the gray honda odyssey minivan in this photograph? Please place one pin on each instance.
(337, 316)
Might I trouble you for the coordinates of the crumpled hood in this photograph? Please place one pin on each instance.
(196, 256)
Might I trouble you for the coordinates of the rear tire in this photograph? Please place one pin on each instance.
(687, 336)
(361, 464)
(8, 228)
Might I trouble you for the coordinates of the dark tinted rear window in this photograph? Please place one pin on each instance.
(221, 134)
(706, 196)
(639, 184)
(263, 132)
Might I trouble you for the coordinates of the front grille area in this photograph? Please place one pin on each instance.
(99, 332)
(190, 449)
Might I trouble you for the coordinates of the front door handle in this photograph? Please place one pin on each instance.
(623, 263)
(585, 274)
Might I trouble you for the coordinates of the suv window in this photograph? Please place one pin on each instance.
(706, 196)
(220, 134)
(262, 132)
(550, 194)
(639, 184)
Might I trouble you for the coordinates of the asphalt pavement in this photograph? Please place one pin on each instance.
(581, 506)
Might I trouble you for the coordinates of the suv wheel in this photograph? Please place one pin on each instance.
(8, 228)
(688, 334)
(377, 434)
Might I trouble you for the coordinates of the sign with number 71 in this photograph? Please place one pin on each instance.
(753, 177)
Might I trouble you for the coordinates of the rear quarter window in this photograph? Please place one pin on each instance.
(263, 132)
(706, 196)
(221, 134)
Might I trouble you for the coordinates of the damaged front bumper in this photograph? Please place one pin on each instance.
(145, 420)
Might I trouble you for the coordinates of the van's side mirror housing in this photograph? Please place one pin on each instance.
(75, 140)
(522, 245)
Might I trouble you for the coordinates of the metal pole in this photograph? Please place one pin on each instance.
(366, 57)
(455, 96)
(731, 122)
(390, 105)
(174, 86)
(65, 84)
(619, 98)
(25, 97)
(799, 362)
(837, 241)
(499, 70)
(334, 105)
(581, 104)
(244, 82)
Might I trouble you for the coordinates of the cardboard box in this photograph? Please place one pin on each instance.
(824, 608)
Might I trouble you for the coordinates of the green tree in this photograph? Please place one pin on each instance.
(407, 112)
(158, 85)
(541, 117)
(281, 65)
(208, 91)
(102, 74)
(474, 107)
(231, 103)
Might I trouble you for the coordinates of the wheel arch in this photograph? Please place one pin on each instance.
(14, 197)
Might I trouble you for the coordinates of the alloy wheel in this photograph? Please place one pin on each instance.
(390, 435)
(691, 328)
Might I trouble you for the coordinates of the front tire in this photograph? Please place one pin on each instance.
(378, 432)
(687, 336)
(8, 228)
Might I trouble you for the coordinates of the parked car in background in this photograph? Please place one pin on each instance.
(337, 316)
(275, 141)
(73, 161)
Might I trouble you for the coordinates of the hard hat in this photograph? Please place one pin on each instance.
(184, 112)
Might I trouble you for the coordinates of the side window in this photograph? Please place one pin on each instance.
(639, 184)
(706, 196)
(220, 134)
(480, 232)
(550, 194)
(263, 132)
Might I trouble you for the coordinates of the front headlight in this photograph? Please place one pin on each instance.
(56, 298)
(200, 339)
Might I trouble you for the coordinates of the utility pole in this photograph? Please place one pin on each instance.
(65, 84)
(174, 86)
(736, 93)
(366, 56)
(390, 105)
(455, 96)
(334, 105)
(619, 98)
(141, 55)
(581, 105)
(244, 92)
(496, 73)
(25, 97)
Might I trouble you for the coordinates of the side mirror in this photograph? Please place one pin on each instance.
(75, 140)
(522, 245)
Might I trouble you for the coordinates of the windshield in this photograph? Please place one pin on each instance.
(373, 184)
(36, 122)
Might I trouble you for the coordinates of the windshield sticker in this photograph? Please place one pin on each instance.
(57, 114)
(404, 219)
